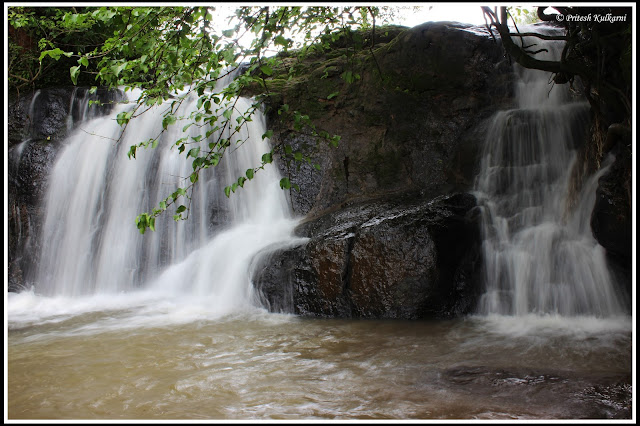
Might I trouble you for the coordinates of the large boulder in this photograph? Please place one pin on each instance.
(391, 234)
(397, 258)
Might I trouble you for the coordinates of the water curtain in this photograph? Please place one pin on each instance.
(540, 254)
(90, 243)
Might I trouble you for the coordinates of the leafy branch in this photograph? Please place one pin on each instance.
(171, 54)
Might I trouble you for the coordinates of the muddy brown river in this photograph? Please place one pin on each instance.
(164, 361)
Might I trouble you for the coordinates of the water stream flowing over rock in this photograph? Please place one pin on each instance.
(540, 254)
(89, 242)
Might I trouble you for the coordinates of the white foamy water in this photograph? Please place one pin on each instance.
(95, 265)
(91, 245)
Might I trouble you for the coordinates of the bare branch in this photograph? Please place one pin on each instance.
(540, 36)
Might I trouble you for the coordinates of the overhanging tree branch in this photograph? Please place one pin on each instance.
(564, 70)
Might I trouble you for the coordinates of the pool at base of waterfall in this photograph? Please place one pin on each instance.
(135, 358)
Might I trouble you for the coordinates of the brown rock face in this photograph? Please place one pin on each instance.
(413, 121)
(392, 258)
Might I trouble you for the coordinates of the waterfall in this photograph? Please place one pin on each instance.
(540, 256)
(90, 243)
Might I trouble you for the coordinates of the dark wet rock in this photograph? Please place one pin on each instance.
(397, 258)
(611, 219)
(42, 119)
(414, 123)
(29, 168)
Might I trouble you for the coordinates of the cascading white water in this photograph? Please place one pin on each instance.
(91, 245)
(540, 257)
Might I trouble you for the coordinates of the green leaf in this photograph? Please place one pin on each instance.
(283, 108)
(280, 40)
(198, 162)
(193, 152)
(124, 117)
(117, 68)
(132, 151)
(347, 76)
(285, 183)
(181, 208)
(214, 160)
(55, 54)
(267, 158)
(142, 222)
(75, 71)
(268, 134)
(249, 174)
(266, 69)
(333, 95)
(168, 120)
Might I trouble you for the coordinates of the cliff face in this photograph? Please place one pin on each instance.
(393, 231)
(391, 223)
(413, 122)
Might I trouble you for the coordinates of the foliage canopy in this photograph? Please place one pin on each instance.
(170, 53)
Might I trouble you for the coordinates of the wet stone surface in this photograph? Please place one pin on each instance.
(401, 258)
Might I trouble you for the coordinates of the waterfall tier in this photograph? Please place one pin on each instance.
(540, 255)
(91, 244)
